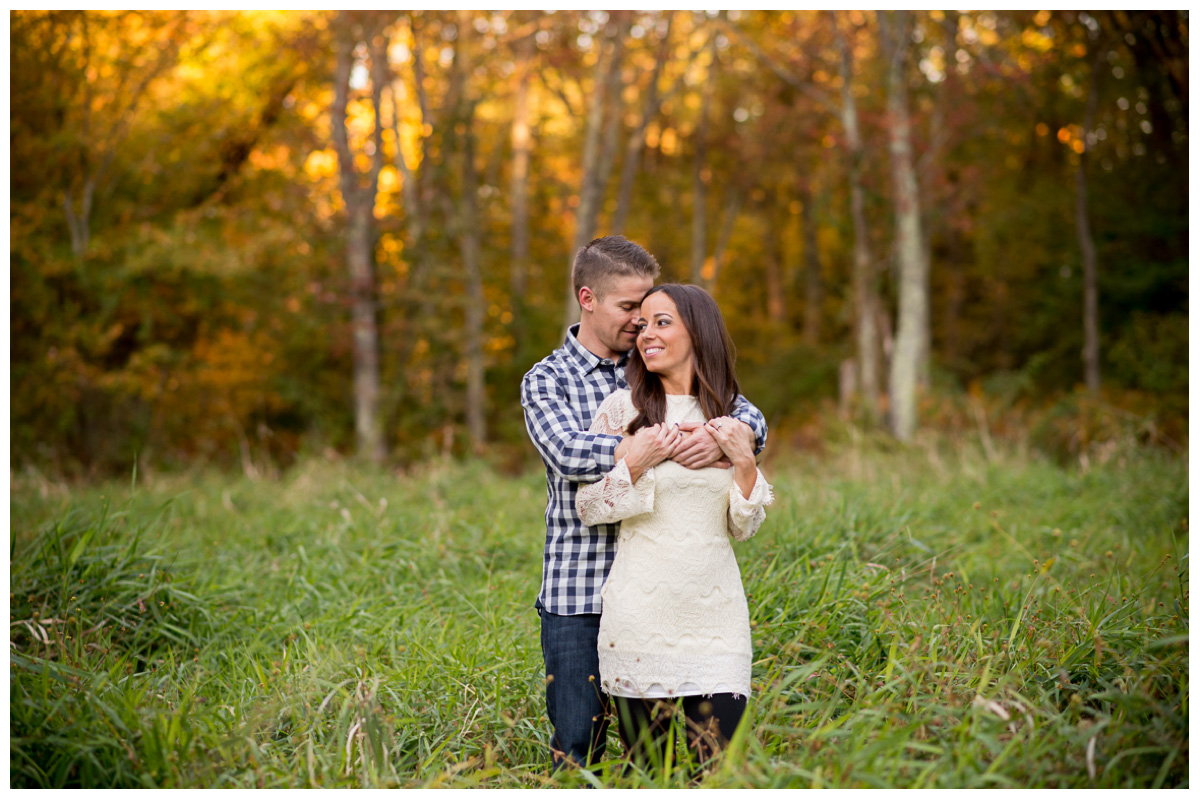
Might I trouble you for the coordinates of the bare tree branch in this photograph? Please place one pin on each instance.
(783, 74)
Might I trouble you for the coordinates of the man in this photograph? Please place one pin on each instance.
(560, 396)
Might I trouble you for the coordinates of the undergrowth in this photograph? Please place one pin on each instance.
(924, 616)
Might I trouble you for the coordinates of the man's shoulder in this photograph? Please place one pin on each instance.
(556, 365)
(622, 396)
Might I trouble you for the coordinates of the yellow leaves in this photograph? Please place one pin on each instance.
(669, 142)
(391, 245)
(321, 164)
(652, 135)
(1072, 136)
(1042, 129)
(275, 158)
(389, 181)
(312, 110)
(1035, 40)
(231, 374)
(495, 345)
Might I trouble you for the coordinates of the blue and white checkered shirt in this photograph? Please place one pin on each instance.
(560, 396)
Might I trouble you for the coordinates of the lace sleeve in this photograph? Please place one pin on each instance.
(746, 514)
(611, 415)
(614, 497)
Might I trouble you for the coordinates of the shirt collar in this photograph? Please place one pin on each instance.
(585, 360)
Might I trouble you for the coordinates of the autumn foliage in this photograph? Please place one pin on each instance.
(180, 232)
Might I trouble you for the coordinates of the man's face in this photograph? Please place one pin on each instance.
(614, 316)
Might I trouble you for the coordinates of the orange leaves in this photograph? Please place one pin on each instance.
(231, 378)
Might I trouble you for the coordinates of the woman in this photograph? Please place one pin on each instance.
(674, 621)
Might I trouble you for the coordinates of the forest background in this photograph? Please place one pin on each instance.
(238, 238)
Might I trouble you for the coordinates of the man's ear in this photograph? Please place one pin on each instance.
(587, 298)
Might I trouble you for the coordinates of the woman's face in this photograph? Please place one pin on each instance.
(663, 341)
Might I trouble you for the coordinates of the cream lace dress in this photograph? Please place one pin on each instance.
(674, 620)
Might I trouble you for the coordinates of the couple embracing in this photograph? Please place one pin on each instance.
(650, 468)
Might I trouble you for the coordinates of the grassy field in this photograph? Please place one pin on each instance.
(923, 617)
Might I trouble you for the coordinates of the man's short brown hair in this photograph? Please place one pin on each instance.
(601, 260)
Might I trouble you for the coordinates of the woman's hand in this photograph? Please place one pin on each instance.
(650, 446)
(737, 449)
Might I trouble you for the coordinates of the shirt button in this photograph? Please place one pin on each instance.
(606, 362)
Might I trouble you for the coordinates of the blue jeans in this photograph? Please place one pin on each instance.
(576, 706)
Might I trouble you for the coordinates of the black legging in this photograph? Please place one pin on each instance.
(645, 725)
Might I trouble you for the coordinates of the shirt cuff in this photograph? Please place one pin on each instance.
(604, 447)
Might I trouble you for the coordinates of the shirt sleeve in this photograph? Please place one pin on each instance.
(745, 411)
(746, 514)
(615, 496)
(557, 431)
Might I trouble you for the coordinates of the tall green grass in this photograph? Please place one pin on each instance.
(923, 617)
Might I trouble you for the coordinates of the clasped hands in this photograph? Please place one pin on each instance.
(722, 442)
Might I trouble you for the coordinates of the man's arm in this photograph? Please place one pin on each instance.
(559, 434)
(745, 411)
(700, 450)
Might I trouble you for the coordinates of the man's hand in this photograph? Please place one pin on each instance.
(700, 450)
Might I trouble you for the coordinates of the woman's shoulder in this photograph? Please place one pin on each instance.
(619, 402)
(614, 412)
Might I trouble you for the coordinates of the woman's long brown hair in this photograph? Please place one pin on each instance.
(714, 383)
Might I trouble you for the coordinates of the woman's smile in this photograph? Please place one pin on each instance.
(665, 344)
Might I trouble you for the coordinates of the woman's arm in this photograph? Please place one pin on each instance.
(748, 510)
(628, 489)
(750, 492)
(730, 436)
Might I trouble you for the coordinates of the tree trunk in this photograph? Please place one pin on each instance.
(476, 304)
(360, 233)
(519, 189)
(633, 150)
(79, 222)
(956, 296)
(468, 236)
(1087, 247)
(608, 73)
(932, 205)
(732, 208)
(776, 282)
(102, 147)
(913, 312)
(360, 246)
(699, 165)
(812, 267)
(864, 277)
